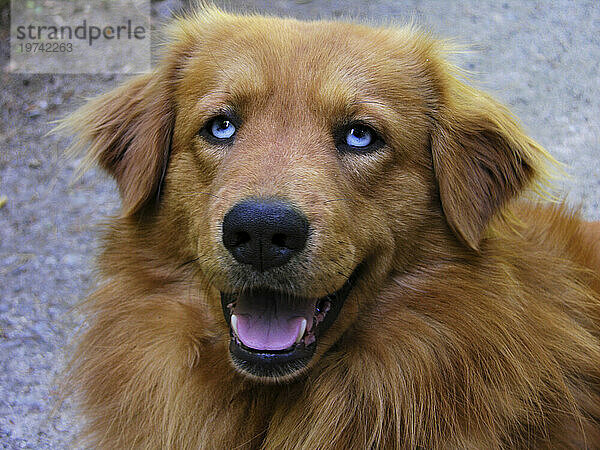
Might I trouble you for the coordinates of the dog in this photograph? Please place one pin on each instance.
(329, 240)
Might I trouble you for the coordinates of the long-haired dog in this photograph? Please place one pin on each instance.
(324, 244)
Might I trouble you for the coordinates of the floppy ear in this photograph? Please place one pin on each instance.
(481, 159)
(128, 132)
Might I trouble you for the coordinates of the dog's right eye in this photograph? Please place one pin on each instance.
(220, 129)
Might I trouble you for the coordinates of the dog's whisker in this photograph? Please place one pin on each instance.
(193, 193)
(188, 262)
(370, 102)
(337, 200)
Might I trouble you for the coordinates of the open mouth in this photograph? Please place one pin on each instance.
(274, 334)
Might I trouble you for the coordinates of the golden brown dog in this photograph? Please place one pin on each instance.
(323, 244)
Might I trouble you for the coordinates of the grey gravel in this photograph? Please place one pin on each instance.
(541, 58)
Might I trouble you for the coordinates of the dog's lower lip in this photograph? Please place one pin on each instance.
(274, 363)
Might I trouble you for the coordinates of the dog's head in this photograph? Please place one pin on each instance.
(298, 164)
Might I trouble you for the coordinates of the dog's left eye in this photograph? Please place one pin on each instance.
(357, 137)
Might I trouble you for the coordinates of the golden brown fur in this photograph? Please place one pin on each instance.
(475, 323)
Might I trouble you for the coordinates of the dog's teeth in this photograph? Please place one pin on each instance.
(301, 332)
(234, 325)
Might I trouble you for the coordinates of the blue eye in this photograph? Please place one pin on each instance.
(222, 128)
(359, 136)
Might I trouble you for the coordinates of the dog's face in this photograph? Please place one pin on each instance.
(297, 165)
(285, 149)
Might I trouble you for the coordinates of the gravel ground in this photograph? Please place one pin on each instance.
(541, 58)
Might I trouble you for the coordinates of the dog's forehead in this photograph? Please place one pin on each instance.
(330, 64)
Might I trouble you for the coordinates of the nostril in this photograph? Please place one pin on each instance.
(241, 238)
(279, 239)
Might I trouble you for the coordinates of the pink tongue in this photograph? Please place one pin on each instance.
(268, 333)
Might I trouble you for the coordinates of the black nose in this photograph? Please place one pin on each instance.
(264, 233)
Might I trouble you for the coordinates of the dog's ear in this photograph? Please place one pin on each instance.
(127, 132)
(481, 159)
